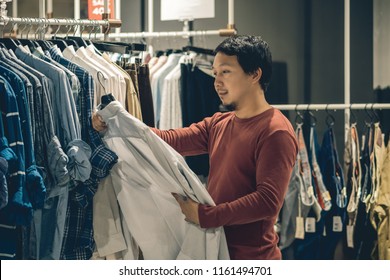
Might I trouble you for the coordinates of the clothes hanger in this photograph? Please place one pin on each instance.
(198, 50)
(44, 44)
(59, 42)
(329, 120)
(106, 98)
(32, 45)
(9, 43)
(298, 117)
(352, 116)
(78, 39)
(69, 41)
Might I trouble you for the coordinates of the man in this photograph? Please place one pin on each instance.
(252, 152)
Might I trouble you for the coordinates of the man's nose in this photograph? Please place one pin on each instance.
(217, 81)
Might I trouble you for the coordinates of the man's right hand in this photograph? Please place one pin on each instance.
(98, 123)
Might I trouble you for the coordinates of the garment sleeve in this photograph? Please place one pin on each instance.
(275, 158)
(188, 141)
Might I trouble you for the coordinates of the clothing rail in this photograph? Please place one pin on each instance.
(134, 35)
(106, 23)
(112, 23)
(357, 106)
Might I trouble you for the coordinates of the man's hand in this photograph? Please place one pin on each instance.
(98, 123)
(188, 207)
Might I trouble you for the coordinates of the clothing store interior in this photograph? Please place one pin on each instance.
(64, 195)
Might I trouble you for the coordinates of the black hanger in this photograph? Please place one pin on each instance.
(69, 42)
(79, 40)
(9, 43)
(30, 43)
(107, 97)
(330, 120)
(298, 117)
(352, 116)
(45, 45)
(60, 43)
(159, 53)
(110, 47)
(198, 50)
(168, 51)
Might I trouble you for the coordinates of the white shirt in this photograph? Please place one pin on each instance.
(100, 83)
(147, 172)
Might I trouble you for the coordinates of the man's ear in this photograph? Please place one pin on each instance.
(256, 76)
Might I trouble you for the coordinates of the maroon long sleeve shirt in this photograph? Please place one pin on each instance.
(251, 161)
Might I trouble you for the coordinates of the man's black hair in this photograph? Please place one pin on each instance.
(252, 53)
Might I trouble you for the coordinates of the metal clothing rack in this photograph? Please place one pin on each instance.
(346, 107)
(135, 35)
(106, 24)
(356, 106)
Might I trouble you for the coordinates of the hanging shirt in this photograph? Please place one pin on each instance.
(65, 115)
(119, 82)
(157, 83)
(101, 84)
(147, 173)
(3, 182)
(132, 100)
(79, 228)
(381, 211)
(247, 182)
(34, 181)
(171, 114)
(19, 208)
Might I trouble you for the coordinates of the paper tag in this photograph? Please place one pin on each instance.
(350, 230)
(300, 229)
(310, 225)
(337, 224)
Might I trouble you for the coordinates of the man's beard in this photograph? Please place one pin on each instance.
(231, 106)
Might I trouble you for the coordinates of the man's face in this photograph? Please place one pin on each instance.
(232, 84)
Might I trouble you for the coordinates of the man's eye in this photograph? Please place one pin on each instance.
(225, 71)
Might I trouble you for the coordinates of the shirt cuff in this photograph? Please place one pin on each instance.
(207, 216)
(79, 154)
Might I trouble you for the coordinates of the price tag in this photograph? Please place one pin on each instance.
(337, 224)
(310, 225)
(300, 229)
(350, 230)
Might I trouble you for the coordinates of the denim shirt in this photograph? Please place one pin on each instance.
(67, 124)
(19, 209)
(34, 181)
(48, 150)
(36, 84)
(3, 183)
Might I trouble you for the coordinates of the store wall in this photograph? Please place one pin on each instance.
(381, 44)
(279, 22)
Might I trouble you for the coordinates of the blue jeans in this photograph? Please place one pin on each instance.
(334, 180)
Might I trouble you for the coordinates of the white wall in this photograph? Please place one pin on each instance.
(381, 43)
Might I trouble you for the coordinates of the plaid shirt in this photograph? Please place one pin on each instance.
(78, 237)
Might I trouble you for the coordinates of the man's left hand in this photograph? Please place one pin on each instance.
(188, 207)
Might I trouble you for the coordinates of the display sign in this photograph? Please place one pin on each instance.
(96, 9)
(187, 9)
